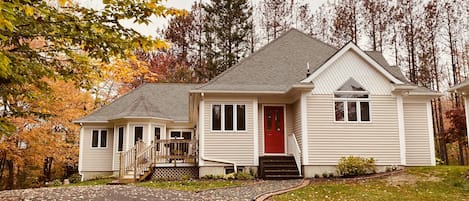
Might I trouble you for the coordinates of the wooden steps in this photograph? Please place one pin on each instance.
(278, 167)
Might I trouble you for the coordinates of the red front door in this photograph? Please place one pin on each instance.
(274, 138)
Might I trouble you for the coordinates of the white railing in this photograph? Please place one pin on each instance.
(294, 149)
(171, 151)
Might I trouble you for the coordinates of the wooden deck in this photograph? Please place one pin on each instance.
(137, 161)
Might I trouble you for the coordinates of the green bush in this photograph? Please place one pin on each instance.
(74, 178)
(243, 176)
(355, 166)
(211, 176)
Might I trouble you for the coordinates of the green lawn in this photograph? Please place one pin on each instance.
(421, 183)
(194, 185)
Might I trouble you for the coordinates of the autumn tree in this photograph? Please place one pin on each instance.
(40, 40)
(52, 136)
(276, 17)
(346, 22)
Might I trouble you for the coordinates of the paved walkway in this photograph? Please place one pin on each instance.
(129, 192)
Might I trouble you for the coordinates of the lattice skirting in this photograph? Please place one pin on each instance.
(174, 173)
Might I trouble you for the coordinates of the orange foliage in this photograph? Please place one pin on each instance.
(53, 136)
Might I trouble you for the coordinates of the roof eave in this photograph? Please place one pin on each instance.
(140, 117)
(88, 121)
(430, 94)
(235, 92)
(403, 87)
(463, 86)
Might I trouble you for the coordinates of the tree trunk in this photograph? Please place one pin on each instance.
(461, 146)
(11, 175)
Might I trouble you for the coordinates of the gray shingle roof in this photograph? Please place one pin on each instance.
(281, 64)
(167, 101)
(394, 70)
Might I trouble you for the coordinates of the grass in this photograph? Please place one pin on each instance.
(194, 185)
(93, 182)
(420, 183)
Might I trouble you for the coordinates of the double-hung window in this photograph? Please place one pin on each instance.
(99, 138)
(352, 103)
(228, 117)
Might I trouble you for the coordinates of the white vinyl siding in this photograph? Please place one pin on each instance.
(297, 123)
(328, 141)
(234, 146)
(350, 65)
(97, 159)
(417, 135)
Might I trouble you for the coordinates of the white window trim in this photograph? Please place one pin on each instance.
(358, 107)
(180, 130)
(123, 138)
(235, 118)
(132, 142)
(99, 138)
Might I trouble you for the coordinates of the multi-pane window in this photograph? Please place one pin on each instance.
(187, 135)
(351, 103)
(99, 138)
(229, 117)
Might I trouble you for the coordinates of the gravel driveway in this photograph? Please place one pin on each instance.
(129, 192)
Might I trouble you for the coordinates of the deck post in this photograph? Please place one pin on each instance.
(121, 166)
(135, 162)
(153, 150)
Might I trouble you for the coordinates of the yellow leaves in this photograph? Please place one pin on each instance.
(5, 68)
(6, 24)
(63, 2)
(160, 44)
(29, 10)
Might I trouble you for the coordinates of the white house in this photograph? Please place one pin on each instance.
(297, 101)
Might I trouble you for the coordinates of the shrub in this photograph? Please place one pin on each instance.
(324, 175)
(229, 176)
(316, 176)
(55, 182)
(74, 178)
(211, 176)
(244, 176)
(355, 166)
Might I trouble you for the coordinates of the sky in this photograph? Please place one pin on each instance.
(159, 23)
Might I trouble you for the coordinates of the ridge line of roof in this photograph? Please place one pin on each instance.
(260, 50)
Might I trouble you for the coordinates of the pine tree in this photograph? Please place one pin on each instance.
(227, 30)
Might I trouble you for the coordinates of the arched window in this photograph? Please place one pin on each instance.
(352, 103)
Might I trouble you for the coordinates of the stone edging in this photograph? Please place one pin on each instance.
(265, 196)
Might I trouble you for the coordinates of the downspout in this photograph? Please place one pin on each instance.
(220, 161)
(201, 137)
(80, 156)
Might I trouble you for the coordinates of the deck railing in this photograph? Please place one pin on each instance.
(171, 151)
